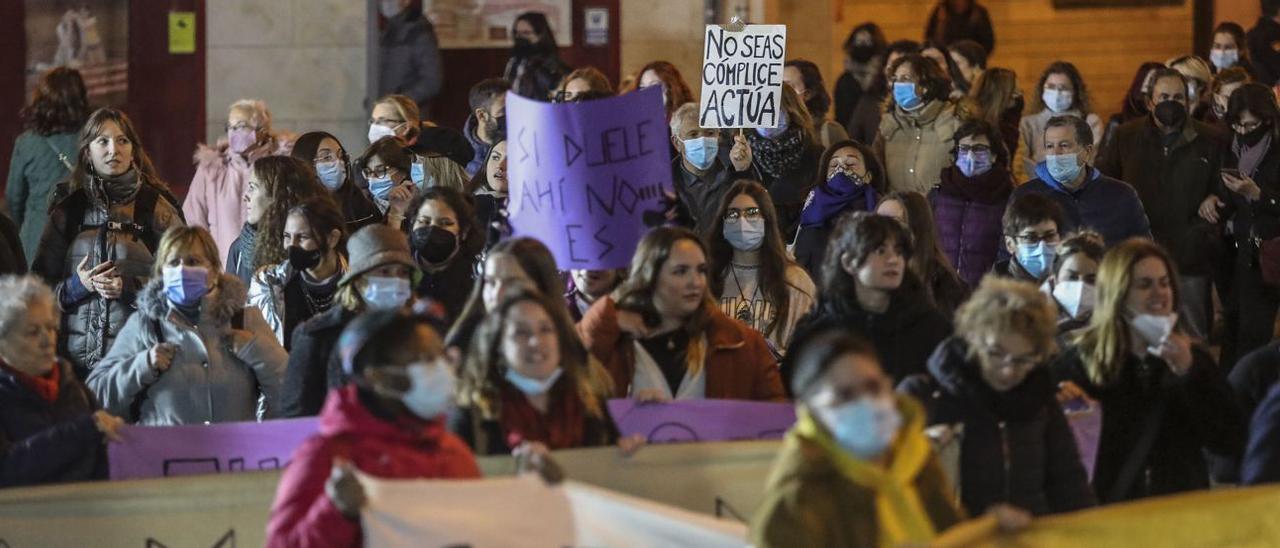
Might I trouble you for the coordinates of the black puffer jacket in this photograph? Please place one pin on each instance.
(1017, 449)
(314, 366)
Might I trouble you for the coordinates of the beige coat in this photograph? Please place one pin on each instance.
(915, 147)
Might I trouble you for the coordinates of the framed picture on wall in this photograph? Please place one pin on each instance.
(1114, 3)
(91, 36)
(487, 23)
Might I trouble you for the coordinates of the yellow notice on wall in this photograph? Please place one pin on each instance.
(182, 32)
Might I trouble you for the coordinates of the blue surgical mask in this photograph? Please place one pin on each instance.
(744, 234)
(530, 386)
(386, 293)
(1057, 100)
(973, 164)
(1224, 58)
(332, 174)
(904, 94)
(381, 187)
(417, 174)
(701, 151)
(865, 427)
(185, 285)
(1063, 167)
(1037, 258)
(431, 389)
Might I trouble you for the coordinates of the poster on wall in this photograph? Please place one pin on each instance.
(91, 36)
(1114, 3)
(487, 23)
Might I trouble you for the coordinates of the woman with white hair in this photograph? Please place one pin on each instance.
(49, 430)
(215, 200)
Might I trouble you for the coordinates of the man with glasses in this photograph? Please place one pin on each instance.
(1031, 236)
(1088, 198)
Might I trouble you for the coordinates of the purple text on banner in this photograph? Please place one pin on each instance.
(702, 420)
(160, 451)
(588, 179)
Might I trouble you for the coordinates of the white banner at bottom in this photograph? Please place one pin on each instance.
(523, 511)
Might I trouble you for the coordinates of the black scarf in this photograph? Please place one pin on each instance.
(778, 157)
(115, 189)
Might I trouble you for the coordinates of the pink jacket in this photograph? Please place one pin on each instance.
(216, 198)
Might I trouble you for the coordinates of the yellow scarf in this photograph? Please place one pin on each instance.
(899, 512)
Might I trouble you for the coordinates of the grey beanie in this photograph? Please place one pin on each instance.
(374, 246)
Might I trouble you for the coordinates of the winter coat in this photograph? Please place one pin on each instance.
(1198, 413)
(491, 218)
(1171, 182)
(224, 363)
(490, 437)
(1266, 60)
(239, 261)
(451, 286)
(1249, 218)
(357, 208)
(12, 259)
(42, 442)
(34, 170)
(914, 147)
(1262, 456)
(313, 367)
(386, 448)
(737, 366)
(1017, 447)
(849, 97)
(1032, 130)
(970, 229)
(700, 195)
(1253, 375)
(267, 294)
(536, 76)
(1108, 206)
(409, 60)
(946, 27)
(89, 322)
(215, 199)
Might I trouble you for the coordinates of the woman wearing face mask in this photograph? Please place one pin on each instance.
(535, 66)
(388, 421)
(970, 199)
(528, 380)
(852, 181)
(50, 431)
(333, 167)
(991, 382)
(915, 132)
(193, 353)
(214, 200)
(868, 289)
(446, 247)
(395, 116)
(304, 284)
(856, 470)
(1225, 82)
(675, 91)
(787, 157)
(862, 87)
(512, 263)
(1164, 399)
(1134, 105)
(941, 282)
(104, 224)
(754, 279)
(662, 337)
(489, 191)
(1061, 90)
(378, 277)
(276, 184)
(386, 167)
(589, 286)
(1229, 48)
(999, 103)
(1073, 285)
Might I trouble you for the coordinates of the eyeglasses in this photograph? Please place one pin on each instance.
(733, 213)
(1246, 128)
(980, 149)
(1025, 361)
(388, 122)
(1031, 238)
(376, 172)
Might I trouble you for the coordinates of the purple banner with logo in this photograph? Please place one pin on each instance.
(588, 179)
(703, 420)
(189, 450)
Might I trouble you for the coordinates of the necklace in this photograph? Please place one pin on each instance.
(314, 303)
(744, 312)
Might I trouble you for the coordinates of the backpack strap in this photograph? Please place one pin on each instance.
(61, 157)
(144, 208)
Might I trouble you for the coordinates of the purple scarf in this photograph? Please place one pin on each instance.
(839, 194)
(1250, 156)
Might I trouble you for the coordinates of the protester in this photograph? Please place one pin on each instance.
(1230, 48)
(215, 198)
(1173, 161)
(97, 267)
(1031, 237)
(487, 123)
(970, 60)
(387, 165)
(662, 337)
(512, 263)
(675, 91)
(528, 380)
(786, 156)
(970, 199)
(1165, 399)
(1073, 285)
(580, 83)
(1225, 82)
(1198, 75)
(446, 246)
(990, 384)
(589, 286)
(998, 102)
(941, 282)
(856, 470)
(1060, 92)
(275, 186)
(377, 278)
(303, 285)
(50, 431)
(1088, 199)
(335, 172)
(806, 79)
(44, 153)
(1260, 38)
(752, 277)
(535, 66)
(701, 170)
(193, 353)
(868, 289)
(1134, 105)
(409, 61)
(955, 20)
(387, 422)
(853, 181)
(488, 189)
(862, 86)
(919, 120)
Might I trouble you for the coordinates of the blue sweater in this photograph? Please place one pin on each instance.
(1109, 206)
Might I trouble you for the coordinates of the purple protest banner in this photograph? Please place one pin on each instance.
(161, 451)
(1086, 425)
(702, 420)
(588, 179)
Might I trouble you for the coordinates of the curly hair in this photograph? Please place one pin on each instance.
(1006, 306)
(1079, 101)
(929, 76)
(59, 105)
(286, 181)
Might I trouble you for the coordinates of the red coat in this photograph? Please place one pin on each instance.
(739, 365)
(302, 514)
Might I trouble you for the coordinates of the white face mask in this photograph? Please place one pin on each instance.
(1057, 100)
(1076, 298)
(378, 131)
(530, 386)
(431, 389)
(1153, 329)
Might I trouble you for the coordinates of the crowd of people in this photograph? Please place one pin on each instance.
(918, 256)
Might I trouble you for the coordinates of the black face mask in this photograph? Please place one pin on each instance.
(1171, 114)
(304, 259)
(523, 47)
(862, 54)
(433, 245)
(1254, 137)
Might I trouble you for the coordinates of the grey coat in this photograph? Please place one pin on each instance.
(409, 58)
(217, 375)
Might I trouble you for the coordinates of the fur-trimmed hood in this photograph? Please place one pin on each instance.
(219, 155)
(224, 303)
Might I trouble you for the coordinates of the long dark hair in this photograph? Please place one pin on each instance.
(878, 41)
(480, 181)
(308, 144)
(92, 129)
(774, 261)
(323, 216)
(546, 43)
(1079, 99)
(1257, 99)
(878, 179)
(858, 235)
(1134, 104)
(287, 181)
(636, 293)
(468, 236)
(59, 104)
(929, 261)
(1237, 35)
(819, 101)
